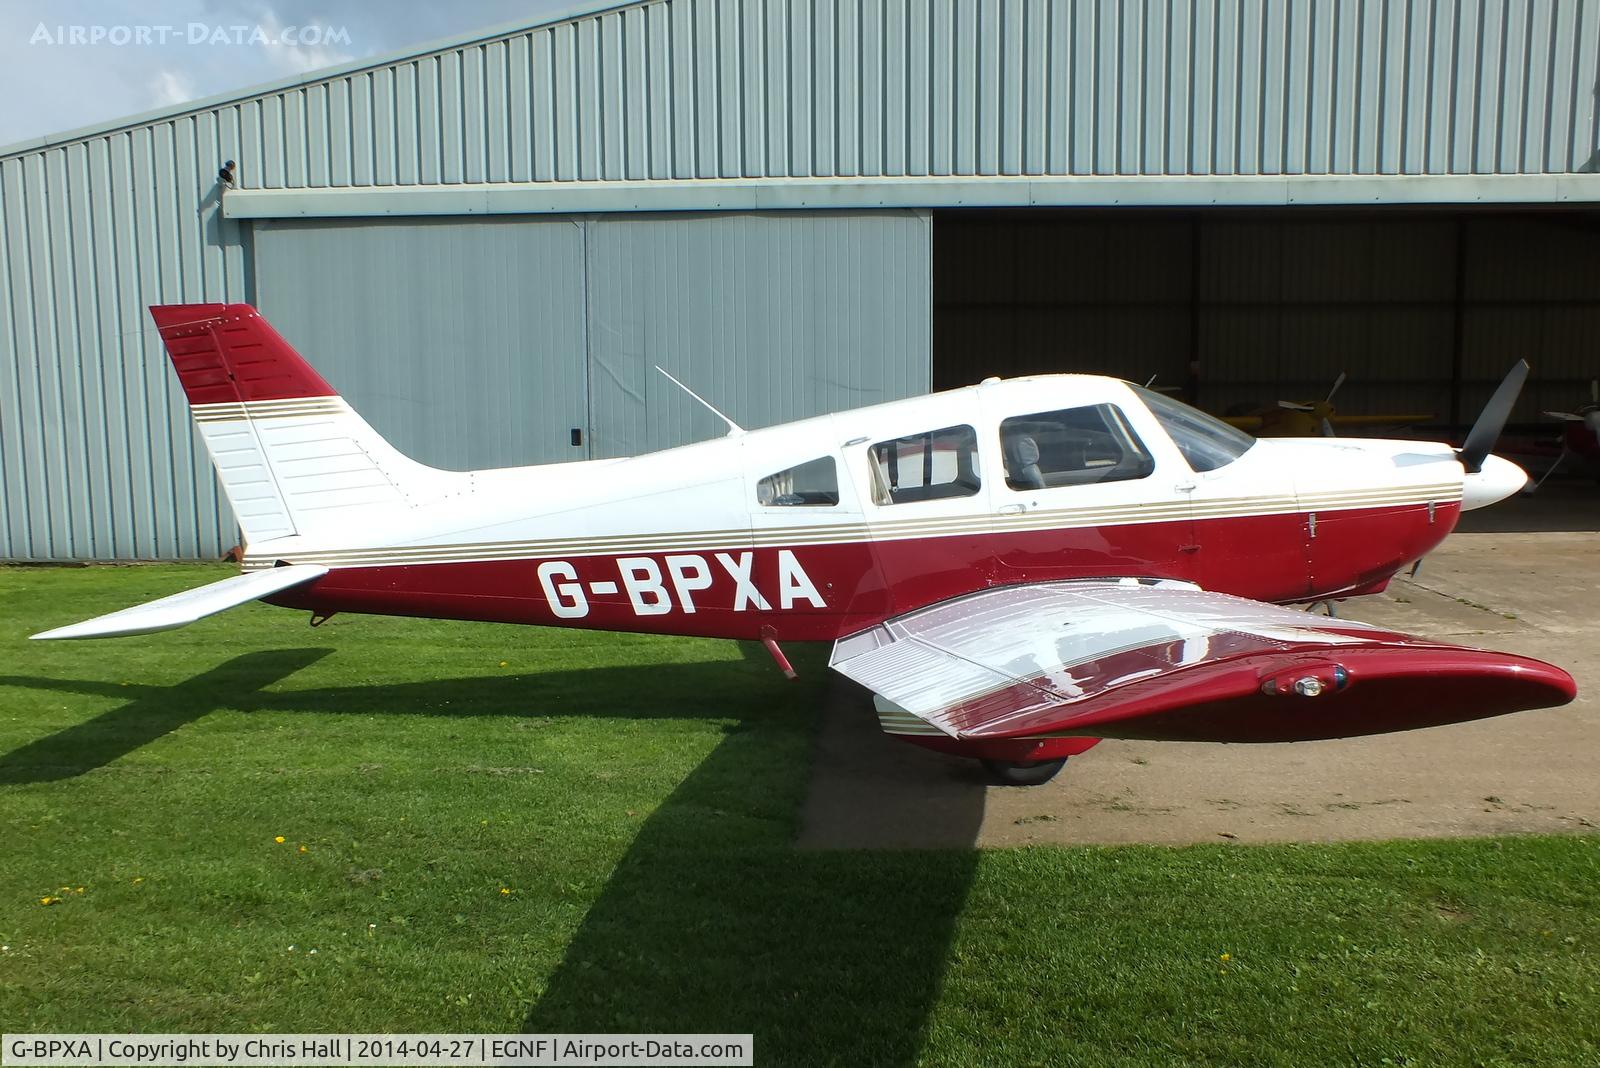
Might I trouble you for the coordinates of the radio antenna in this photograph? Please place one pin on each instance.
(734, 429)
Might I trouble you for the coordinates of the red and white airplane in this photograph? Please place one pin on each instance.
(1016, 569)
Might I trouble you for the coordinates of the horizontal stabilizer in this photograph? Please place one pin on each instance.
(184, 608)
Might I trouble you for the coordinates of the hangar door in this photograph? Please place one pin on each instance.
(488, 341)
(459, 340)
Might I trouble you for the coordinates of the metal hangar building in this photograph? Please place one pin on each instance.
(801, 205)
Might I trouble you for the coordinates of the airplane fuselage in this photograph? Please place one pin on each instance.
(750, 536)
(974, 504)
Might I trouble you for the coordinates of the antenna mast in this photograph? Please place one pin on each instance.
(734, 429)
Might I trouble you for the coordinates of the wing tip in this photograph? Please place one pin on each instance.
(86, 629)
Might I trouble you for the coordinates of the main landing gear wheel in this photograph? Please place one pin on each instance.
(1023, 773)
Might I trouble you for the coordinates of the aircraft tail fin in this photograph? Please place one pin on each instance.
(292, 456)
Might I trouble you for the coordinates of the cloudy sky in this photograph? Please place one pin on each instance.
(71, 63)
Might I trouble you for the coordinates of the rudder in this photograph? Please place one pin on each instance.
(227, 353)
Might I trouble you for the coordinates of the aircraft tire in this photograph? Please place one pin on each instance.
(1027, 773)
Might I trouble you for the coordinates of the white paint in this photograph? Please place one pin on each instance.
(641, 577)
(745, 594)
(566, 599)
(794, 583)
(689, 573)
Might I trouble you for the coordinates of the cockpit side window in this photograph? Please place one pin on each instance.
(1206, 442)
(1072, 447)
(926, 467)
(814, 483)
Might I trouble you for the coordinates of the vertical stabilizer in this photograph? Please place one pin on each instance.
(292, 456)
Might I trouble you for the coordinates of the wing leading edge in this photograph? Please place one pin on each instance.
(1167, 660)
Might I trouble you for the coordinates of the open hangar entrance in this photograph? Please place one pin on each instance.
(1238, 308)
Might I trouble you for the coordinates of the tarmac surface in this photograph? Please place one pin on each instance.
(1536, 593)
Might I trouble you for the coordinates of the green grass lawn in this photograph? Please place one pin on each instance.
(491, 828)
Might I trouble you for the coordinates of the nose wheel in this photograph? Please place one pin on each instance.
(1023, 772)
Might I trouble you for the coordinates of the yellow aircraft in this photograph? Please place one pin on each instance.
(1309, 419)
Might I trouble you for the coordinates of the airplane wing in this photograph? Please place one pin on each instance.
(1167, 660)
(186, 607)
(1401, 419)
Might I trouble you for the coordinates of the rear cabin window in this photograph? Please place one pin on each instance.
(814, 483)
(926, 467)
(1071, 447)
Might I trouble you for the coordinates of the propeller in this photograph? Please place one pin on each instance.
(1322, 410)
(1327, 423)
(1337, 382)
(1486, 431)
(1150, 384)
(1588, 415)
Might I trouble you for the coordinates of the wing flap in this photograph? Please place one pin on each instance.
(1168, 660)
(183, 608)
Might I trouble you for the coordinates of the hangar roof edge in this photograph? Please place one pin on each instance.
(571, 13)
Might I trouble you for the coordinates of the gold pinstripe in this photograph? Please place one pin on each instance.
(892, 530)
(295, 407)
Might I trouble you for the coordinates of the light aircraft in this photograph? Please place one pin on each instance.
(1580, 436)
(1305, 419)
(1017, 569)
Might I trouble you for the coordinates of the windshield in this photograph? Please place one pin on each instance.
(1206, 442)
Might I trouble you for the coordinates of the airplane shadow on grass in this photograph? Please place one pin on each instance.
(713, 921)
(150, 713)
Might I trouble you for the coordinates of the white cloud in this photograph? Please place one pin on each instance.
(53, 86)
(303, 48)
(171, 87)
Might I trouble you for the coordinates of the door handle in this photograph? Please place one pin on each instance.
(1184, 487)
(1012, 509)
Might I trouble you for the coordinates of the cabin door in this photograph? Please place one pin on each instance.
(1079, 494)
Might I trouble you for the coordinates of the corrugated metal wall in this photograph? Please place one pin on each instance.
(1019, 293)
(1274, 306)
(742, 88)
(95, 457)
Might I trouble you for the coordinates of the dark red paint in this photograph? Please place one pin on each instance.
(866, 582)
(227, 353)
